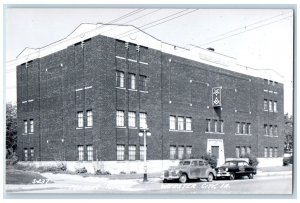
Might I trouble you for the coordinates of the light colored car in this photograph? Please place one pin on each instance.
(190, 169)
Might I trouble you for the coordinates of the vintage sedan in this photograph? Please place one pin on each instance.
(235, 168)
(190, 169)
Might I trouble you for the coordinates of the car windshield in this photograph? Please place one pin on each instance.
(229, 163)
(184, 163)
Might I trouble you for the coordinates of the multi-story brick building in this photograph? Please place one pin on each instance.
(86, 98)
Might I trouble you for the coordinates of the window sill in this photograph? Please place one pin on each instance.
(270, 136)
(121, 127)
(243, 134)
(134, 90)
(88, 127)
(185, 131)
(30, 133)
(132, 128)
(215, 133)
(143, 91)
(78, 128)
(121, 88)
(24, 133)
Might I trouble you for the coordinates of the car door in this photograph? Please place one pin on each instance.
(194, 170)
(241, 168)
(248, 169)
(203, 169)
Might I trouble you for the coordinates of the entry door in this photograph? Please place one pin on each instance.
(215, 151)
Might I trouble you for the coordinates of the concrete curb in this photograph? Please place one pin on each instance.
(277, 173)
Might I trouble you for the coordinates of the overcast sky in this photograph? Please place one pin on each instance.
(258, 38)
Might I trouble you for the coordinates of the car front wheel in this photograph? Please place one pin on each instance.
(210, 177)
(183, 178)
(250, 176)
(232, 176)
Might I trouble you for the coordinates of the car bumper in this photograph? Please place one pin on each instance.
(170, 177)
(223, 174)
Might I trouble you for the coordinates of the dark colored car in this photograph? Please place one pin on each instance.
(235, 168)
(190, 169)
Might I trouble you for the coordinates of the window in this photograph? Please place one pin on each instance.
(243, 151)
(143, 120)
(172, 152)
(221, 126)
(25, 154)
(271, 130)
(216, 126)
(80, 153)
(237, 127)
(265, 105)
(208, 122)
(132, 81)
(266, 129)
(275, 130)
(180, 123)
(266, 152)
(244, 128)
(90, 152)
(32, 153)
(120, 152)
(131, 152)
(275, 152)
(131, 119)
(89, 115)
(271, 152)
(237, 152)
(188, 151)
(31, 124)
(120, 80)
(80, 119)
(120, 118)
(270, 106)
(248, 128)
(142, 152)
(172, 122)
(143, 83)
(25, 126)
(180, 152)
(275, 106)
(188, 125)
(248, 150)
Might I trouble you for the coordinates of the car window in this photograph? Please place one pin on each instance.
(240, 163)
(246, 164)
(194, 163)
(201, 163)
(229, 163)
(184, 163)
(205, 163)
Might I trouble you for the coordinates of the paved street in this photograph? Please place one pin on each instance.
(275, 184)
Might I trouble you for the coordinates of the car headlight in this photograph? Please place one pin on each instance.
(177, 171)
(226, 169)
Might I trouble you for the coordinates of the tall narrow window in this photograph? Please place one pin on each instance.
(131, 119)
(120, 119)
(188, 125)
(80, 153)
(270, 106)
(248, 150)
(243, 151)
(188, 150)
(143, 83)
(237, 152)
(249, 128)
(244, 128)
(120, 152)
(180, 123)
(172, 122)
(25, 154)
(275, 152)
(80, 119)
(180, 152)
(132, 81)
(275, 106)
(265, 105)
(221, 126)
(172, 152)
(131, 151)
(266, 152)
(216, 126)
(25, 127)
(271, 152)
(31, 124)
(275, 131)
(90, 152)
(32, 154)
(266, 129)
(271, 130)
(120, 80)
(142, 152)
(208, 124)
(238, 128)
(143, 121)
(89, 116)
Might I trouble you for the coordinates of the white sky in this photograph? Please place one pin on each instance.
(255, 44)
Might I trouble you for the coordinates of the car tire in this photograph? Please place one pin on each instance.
(183, 178)
(165, 180)
(210, 177)
(232, 176)
(250, 176)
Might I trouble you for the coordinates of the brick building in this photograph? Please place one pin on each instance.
(86, 97)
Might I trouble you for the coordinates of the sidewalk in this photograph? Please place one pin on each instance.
(276, 170)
